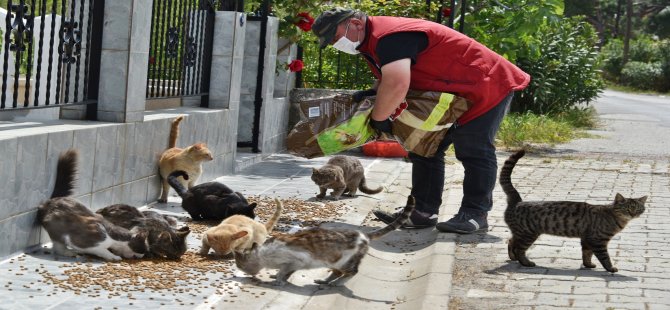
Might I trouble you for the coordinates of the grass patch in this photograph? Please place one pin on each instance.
(520, 129)
(627, 89)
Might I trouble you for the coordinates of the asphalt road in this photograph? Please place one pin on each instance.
(630, 125)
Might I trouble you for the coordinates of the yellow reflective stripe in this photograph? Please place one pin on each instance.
(410, 120)
(439, 110)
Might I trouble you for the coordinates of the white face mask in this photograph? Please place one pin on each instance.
(346, 45)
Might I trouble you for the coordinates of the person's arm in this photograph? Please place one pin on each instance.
(392, 88)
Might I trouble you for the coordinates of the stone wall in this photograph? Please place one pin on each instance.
(118, 155)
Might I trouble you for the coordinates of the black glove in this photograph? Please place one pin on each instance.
(381, 126)
(358, 95)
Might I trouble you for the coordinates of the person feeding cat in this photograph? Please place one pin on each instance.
(406, 53)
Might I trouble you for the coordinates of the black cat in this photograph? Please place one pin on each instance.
(211, 200)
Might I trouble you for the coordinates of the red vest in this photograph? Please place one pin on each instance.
(452, 62)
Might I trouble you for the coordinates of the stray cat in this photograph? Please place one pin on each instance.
(162, 239)
(189, 159)
(238, 233)
(210, 200)
(73, 228)
(594, 224)
(343, 174)
(339, 250)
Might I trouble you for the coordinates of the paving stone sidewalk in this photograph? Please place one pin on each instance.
(484, 278)
(415, 269)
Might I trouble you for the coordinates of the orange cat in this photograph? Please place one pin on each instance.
(238, 233)
(188, 160)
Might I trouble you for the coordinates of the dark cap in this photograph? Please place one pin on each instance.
(325, 25)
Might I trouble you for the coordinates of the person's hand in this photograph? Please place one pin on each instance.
(359, 95)
(380, 127)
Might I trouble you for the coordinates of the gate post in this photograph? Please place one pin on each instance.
(227, 59)
(124, 61)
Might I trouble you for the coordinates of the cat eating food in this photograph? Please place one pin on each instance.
(342, 174)
(595, 225)
(74, 229)
(339, 250)
(238, 233)
(162, 239)
(189, 160)
(211, 200)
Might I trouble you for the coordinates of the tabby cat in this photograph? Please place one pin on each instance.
(74, 229)
(238, 233)
(189, 159)
(210, 200)
(339, 250)
(162, 239)
(342, 174)
(595, 225)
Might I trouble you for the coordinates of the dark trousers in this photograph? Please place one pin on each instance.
(473, 143)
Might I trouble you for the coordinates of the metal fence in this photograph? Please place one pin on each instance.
(50, 53)
(180, 48)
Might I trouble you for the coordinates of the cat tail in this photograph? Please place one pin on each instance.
(66, 172)
(363, 187)
(172, 180)
(406, 212)
(513, 196)
(275, 217)
(174, 131)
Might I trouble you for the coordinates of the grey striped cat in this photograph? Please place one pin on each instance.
(341, 250)
(595, 225)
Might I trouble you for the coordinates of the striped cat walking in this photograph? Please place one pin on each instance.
(595, 225)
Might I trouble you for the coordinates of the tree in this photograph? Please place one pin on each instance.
(629, 26)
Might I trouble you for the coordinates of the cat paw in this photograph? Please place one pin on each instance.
(112, 258)
(320, 282)
(320, 196)
(161, 200)
(613, 269)
(589, 265)
(527, 264)
(278, 283)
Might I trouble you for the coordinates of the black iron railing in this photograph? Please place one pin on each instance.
(180, 48)
(47, 52)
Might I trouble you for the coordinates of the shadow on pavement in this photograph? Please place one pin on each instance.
(514, 267)
(306, 290)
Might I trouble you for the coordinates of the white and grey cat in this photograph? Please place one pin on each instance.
(74, 229)
(163, 239)
(339, 250)
(342, 174)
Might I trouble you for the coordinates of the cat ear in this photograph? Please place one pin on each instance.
(619, 198)
(164, 235)
(314, 170)
(183, 232)
(642, 200)
(252, 205)
(239, 234)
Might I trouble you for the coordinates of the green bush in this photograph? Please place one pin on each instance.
(644, 49)
(643, 75)
(611, 57)
(648, 67)
(564, 72)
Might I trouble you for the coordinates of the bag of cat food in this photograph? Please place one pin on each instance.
(335, 124)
